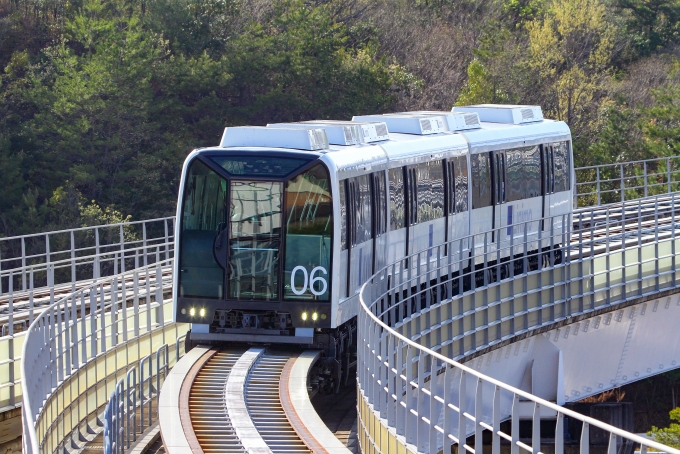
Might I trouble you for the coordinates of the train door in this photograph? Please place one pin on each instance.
(498, 160)
(379, 200)
(360, 228)
(412, 210)
(450, 199)
(457, 213)
(547, 183)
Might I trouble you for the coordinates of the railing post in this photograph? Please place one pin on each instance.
(96, 270)
(495, 437)
(144, 243)
(536, 430)
(462, 421)
(623, 184)
(74, 277)
(599, 198)
(23, 264)
(559, 434)
(514, 425)
(585, 438)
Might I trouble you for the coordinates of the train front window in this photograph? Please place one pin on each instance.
(254, 240)
(203, 217)
(308, 232)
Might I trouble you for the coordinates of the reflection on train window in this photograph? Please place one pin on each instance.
(380, 203)
(461, 180)
(360, 201)
(397, 205)
(343, 215)
(203, 217)
(254, 240)
(481, 180)
(561, 157)
(430, 190)
(269, 166)
(515, 175)
(309, 228)
(532, 171)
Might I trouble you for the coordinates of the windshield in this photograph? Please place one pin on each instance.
(263, 240)
(254, 240)
(309, 226)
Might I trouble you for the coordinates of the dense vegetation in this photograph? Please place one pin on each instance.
(100, 100)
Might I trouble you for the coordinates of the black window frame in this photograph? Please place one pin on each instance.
(205, 157)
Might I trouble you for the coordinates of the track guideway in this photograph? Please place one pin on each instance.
(243, 401)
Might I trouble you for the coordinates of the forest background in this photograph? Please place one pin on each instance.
(101, 100)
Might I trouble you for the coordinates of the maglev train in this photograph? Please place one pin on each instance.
(279, 226)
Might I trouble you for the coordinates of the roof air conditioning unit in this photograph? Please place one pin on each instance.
(501, 113)
(408, 124)
(455, 121)
(260, 136)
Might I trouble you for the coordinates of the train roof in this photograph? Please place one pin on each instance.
(400, 148)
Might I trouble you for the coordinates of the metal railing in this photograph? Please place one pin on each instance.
(610, 183)
(420, 314)
(36, 269)
(134, 398)
(77, 350)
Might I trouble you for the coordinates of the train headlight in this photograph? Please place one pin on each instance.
(315, 316)
(304, 316)
(192, 311)
(202, 312)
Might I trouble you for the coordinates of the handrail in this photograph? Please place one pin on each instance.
(77, 334)
(402, 371)
(622, 181)
(79, 247)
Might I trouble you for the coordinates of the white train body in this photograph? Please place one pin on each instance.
(325, 234)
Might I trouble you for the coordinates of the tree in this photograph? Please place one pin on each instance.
(652, 23)
(571, 50)
(661, 122)
(670, 435)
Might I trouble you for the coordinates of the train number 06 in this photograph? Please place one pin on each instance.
(311, 277)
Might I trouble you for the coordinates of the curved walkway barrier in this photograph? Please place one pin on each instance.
(622, 181)
(77, 350)
(133, 407)
(420, 314)
(37, 270)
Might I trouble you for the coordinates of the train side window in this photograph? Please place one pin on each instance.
(461, 180)
(379, 203)
(451, 186)
(499, 177)
(481, 180)
(308, 234)
(343, 215)
(430, 190)
(561, 166)
(548, 169)
(412, 195)
(397, 199)
(360, 195)
(516, 175)
(204, 216)
(532, 171)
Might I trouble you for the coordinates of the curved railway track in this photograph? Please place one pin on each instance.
(236, 400)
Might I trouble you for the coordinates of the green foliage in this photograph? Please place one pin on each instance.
(522, 11)
(108, 112)
(661, 122)
(619, 139)
(669, 436)
(652, 23)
